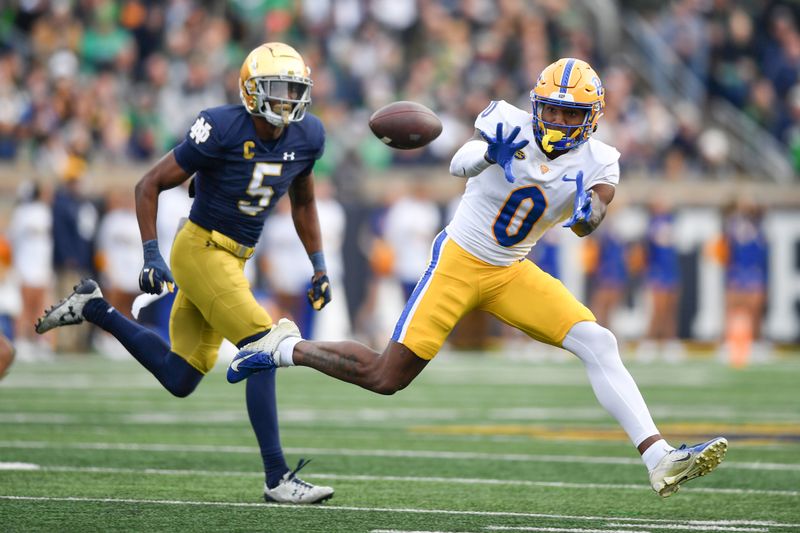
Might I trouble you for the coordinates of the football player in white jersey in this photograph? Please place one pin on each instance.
(526, 173)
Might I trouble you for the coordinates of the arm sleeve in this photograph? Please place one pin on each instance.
(469, 160)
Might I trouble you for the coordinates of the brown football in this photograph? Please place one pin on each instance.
(405, 125)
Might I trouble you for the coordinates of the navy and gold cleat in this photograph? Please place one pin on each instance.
(69, 310)
(684, 464)
(261, 354)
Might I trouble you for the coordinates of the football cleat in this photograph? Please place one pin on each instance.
(261, 354)
(684, 464)
(69, 310)
(292, 489)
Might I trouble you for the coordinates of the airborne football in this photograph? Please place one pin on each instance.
(405, 125)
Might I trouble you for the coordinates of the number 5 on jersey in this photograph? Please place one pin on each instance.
(257, 189)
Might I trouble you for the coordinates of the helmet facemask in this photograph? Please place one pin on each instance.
(279, 99)
(560, 137)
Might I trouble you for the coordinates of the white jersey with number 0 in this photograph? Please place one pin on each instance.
(499, 222)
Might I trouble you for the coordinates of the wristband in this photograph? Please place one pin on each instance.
(318, 261)
(151, 250)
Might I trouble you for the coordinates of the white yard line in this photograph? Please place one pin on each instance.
(568, 529)
(402, 479)
(419, 531)
(417, 415)
(409, 454)
(629, 522)
(694, 527)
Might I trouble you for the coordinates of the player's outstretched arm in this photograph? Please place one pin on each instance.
(601, 195)
(470, 160)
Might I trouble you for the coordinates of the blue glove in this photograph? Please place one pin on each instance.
(320, 292)
(582, 208)
(501, 151)
(155, 272)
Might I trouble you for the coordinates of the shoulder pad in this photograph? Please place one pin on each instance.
(500, 111)
(603, 153)
(314, 127)
(223, 119)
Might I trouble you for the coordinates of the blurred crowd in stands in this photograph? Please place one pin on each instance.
(119, 82)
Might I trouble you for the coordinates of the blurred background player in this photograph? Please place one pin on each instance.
(6, 355)
(31, 236)
(519, 168)
(744, 254)
(10, 301)
(662, 278)
(412, 222)
(609, 272)
(74, 225)
(118, 253)
(282, 259)
(244, 158)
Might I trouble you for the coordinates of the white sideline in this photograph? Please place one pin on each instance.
(413, 454)
(325, 507)
(546, 529)
(409, 479)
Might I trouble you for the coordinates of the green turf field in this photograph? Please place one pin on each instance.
(476, 444)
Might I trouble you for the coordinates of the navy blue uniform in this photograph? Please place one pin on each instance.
(238, 180)
(239, 177)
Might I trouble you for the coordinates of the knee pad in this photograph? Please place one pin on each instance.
(590, 339)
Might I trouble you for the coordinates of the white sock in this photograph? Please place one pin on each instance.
(285, 351)
(612, 384)
(655, 453)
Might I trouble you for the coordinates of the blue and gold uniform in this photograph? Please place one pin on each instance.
(238, 180)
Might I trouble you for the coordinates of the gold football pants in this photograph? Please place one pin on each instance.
(456, 282)
(214, 300)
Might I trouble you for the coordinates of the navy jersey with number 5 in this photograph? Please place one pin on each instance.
(239, 177)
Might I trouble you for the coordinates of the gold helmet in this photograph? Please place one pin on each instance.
(275, 83)
(567, 83)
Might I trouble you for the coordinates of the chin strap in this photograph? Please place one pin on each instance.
(551, 136)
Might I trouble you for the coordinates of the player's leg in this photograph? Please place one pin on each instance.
(87, 303)
(214, 280)
(446, 291)
(383, 373)
(558, 318)
(6, 355)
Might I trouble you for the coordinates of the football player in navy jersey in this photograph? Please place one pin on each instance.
(243, 159)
